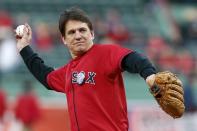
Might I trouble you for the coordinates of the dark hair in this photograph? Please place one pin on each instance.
(73, 13)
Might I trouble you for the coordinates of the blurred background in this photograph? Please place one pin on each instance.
(163, 30)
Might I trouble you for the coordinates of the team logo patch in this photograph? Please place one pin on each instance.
(83, 77)
(80, 77)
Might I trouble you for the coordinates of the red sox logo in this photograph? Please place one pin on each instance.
(79, 78)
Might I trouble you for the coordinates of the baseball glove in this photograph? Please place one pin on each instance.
(168, 92)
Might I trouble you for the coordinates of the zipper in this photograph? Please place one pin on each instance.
(75, 112)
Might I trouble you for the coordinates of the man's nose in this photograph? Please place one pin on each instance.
(77, 35)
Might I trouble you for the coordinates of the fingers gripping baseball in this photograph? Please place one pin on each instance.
(168, 92)
(23, 36)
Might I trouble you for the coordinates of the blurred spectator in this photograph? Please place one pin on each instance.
(5, 19)
(8, 53)
(43, 39)
(55, 34)
(172, 29)
(190, 105)
(156, 45)
(186, 62)
(117, 31)
(192, 31)
(3, 106)
(27, 108)
(101, 28)
(2, 103)
(168, 60)
(189, 28)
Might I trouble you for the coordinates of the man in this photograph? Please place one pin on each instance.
(92, 80)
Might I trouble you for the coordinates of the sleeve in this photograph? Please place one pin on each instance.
(137, 63)
(36, 65)
(56, 79)
(116, 54)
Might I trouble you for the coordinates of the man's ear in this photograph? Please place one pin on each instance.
(92, 32)
(63, 39)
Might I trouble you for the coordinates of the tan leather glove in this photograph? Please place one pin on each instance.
(168, 91)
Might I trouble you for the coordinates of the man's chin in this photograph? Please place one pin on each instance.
(81, 50)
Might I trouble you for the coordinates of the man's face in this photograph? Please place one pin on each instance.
(78, 37)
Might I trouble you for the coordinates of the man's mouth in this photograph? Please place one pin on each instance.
(78, 43)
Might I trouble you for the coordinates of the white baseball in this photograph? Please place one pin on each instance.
(19, 30)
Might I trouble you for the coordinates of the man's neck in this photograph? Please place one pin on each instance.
(75, 55)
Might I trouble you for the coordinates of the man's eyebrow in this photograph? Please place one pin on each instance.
(71, 30)
(76, 29)
(82, 28)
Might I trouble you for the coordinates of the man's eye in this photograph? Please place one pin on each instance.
(71, 32)
(82, 30)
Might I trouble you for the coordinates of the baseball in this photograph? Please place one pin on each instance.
(19, 31)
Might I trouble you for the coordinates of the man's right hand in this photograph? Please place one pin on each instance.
(25, 39)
